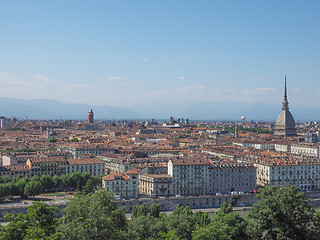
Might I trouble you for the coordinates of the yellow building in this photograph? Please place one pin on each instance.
(47, 165)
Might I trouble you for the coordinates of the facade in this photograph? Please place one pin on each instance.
(226, 177)
(125, 185)
(77, 151)
(155, 185)
(5, 122)
(20, 171)
(11, 159)
(90, 165)
(285, 124)
(311, 137)
(42, 165)
(306, 150)
(189, 175)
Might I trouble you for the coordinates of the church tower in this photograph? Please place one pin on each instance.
(285, 124)
(90, 116)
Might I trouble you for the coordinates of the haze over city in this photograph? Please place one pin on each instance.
(162, 57)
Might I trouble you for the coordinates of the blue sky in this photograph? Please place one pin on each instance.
(140, 53)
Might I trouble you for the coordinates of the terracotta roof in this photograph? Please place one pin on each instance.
(132, 171)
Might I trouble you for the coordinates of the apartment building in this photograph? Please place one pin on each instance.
(42, 165)
(95, 149)
(227, 176)
(311, 150)
(125, 184)
(283, 170)
(189, 175)
(155, 185)
(93, 166)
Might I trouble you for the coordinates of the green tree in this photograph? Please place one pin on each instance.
(93, 217)
(52, 140)
(154, 210)
(19, 186)
(225, 225)
(181, 222)
(140, 210)
(47, 182)
(5, 189)
(65, 180)
(40, 222)
(57, 182)
(33, 188)
(283, 214)
(89, 187)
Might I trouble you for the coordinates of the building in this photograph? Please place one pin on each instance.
(42, 165)
(90, 116)
(189, 175)
(5, 122)
(90, 165)
(155, 185)
(125, 185)
(227, 176)
(311, 137)
(78, 149)
(285, 124)
(311, 150)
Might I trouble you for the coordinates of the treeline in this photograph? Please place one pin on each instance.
(280, 214)
(255, 130)
(35, 185)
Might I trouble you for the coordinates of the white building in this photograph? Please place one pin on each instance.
(93, 166)
(125, 184)
(189, 175)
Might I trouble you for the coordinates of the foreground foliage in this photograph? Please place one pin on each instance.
(280, 214)
(284, 214)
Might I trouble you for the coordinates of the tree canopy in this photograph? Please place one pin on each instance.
(283, 213)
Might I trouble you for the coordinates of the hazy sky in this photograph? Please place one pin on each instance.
(134, 53)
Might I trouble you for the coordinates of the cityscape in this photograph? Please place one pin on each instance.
(160, 120)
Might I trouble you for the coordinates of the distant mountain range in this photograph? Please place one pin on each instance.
(52, 109)
(226, 111)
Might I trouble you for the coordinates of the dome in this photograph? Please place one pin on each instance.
(285, 124)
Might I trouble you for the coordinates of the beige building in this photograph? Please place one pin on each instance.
(155, 184)
(226, 177)
(93, 166)
(125, 184)
(42, 165)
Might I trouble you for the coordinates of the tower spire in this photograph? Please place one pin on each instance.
(285, 100)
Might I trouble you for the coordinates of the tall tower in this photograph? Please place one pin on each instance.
(285, 124)
(90, 116)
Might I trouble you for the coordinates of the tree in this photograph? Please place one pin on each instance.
(225, 225)
(5, 189)
(52, 140)
(40, 222)
(57, 182)
(33, 188)
(89, 187)
(284, 214)
(93, 217)
(47, 182)
(19, 186)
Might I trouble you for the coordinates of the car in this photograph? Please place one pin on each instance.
(117, 197)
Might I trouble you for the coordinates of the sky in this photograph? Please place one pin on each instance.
(136, 54)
